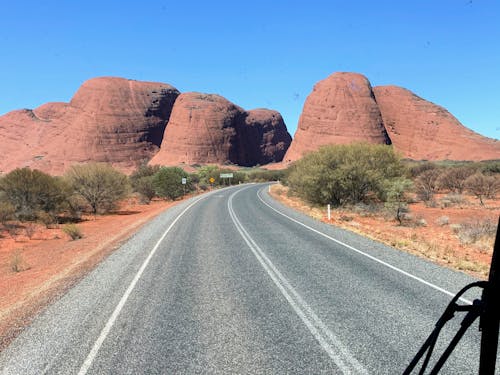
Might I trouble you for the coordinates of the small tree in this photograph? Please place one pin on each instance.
(29, 191)
(426, 184)
(397, 197)
(99, 184)
(483, 186)
(167, 182)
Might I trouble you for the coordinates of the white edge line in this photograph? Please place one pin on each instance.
(333, 347)
(107, 328)
(442, 290)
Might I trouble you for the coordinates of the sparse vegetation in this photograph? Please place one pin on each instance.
(73, 231)
(472, 231)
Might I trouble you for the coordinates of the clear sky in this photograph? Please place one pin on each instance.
(257, 53)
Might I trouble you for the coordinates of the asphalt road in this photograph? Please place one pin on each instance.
(232, 282)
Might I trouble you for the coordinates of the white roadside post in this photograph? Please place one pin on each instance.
(329, 213)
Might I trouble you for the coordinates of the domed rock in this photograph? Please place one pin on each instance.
(341, 109)
(201, 129)
(422, 130)
(263, 137)
(108, 120)
(207, 128)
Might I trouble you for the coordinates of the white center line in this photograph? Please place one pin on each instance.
(341, 356)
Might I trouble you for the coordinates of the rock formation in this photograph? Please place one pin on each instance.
(341, 109)
(422, 130)
(108, 120)
(207, 128)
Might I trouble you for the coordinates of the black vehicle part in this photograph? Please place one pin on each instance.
(487, 309)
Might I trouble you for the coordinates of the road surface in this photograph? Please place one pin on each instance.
(232, 282)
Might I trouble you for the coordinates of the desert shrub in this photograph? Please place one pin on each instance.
(397, 197)
(73, 231)
(142, 181)
(472, 231)
(145, 187)
(76, 206)
(29, 191)
(264, 175)
(483, 186)
(426, 184)
(143, 170)
(490, 167)
(345, 174)
(30, 229)
(17, 262)
(416, 169)
(453, 179)
(100, 185)
(7, 212)
(46, 218)
(167, 182)
(443, 220)
(455, 199)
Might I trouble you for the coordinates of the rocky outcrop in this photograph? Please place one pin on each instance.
(207, 128)
(422, 130)
(344, 108)
(341, 109)
(109, 119)
(263, 138)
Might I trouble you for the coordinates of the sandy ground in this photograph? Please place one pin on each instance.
(433, 233)
(50, 262)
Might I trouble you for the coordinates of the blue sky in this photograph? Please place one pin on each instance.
(258, 53)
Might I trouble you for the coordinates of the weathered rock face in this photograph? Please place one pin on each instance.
(263, 138)
(108, 120)
(422, 130)
(202, 129)
(341, 109)
(207, 128)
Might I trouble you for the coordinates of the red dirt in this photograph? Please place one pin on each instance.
(51, 262)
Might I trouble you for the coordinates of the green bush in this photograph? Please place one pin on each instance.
(342, 174)
(100, 185)
(145, 187)
(29, 191)
(265, 175)
(167, 182)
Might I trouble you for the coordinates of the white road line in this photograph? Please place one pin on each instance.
(107, 328)
(341, 356)
(365, 254)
